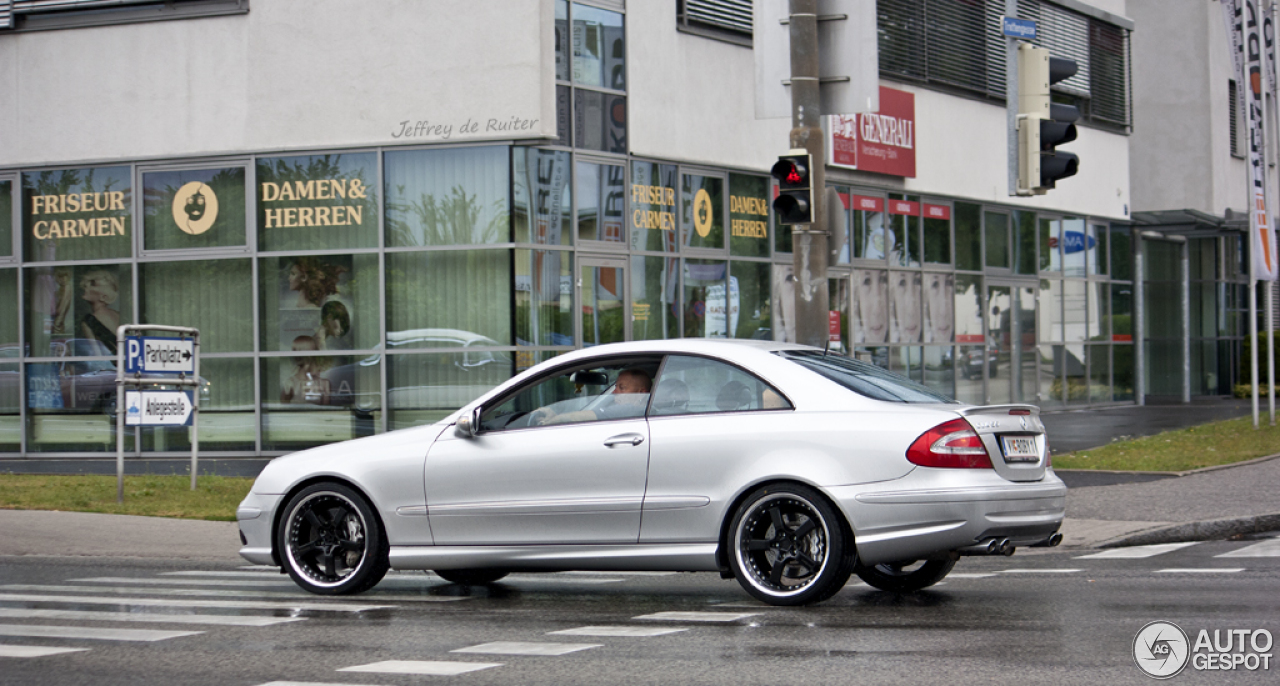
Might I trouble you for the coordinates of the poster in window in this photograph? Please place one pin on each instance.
(939, 307)
(870, 306)
(314, 303)
(906, 306)
(75, 310)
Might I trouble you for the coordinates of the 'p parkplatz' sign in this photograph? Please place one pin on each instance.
(153, 355)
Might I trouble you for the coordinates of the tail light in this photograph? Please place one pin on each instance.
(953, 444)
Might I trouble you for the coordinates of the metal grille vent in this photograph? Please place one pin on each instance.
(728, 15)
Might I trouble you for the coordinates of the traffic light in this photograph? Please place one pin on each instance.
(1043, 124)
(794, 204)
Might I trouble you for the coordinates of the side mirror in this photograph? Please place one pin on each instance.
(468, 425)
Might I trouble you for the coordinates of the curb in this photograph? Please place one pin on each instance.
(1208, 530)
(1187, 472)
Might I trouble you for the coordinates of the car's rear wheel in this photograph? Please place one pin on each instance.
(471, 577)
(789, 547)
(331, 541)
(904, 577)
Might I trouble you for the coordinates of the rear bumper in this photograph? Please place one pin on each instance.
(931, 511)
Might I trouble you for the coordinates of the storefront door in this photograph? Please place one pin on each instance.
(1010, 357)
(602, 286)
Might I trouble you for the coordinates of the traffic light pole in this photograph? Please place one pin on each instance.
(809, 241)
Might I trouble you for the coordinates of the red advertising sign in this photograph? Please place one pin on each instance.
(863, 202)
(833, 325)
(883, 142)
(937, 211)
(906, 207)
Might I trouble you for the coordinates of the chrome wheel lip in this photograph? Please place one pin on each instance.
(300, 568)
(748, 567)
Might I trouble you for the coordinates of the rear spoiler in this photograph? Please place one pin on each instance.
(1000, 409)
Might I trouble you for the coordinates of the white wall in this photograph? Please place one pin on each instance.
(290, 74)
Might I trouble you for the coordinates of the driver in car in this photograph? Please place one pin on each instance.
(629, 398)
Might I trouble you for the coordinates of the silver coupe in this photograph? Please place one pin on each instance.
(779, 465)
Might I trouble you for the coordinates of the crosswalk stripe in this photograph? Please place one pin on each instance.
(968, 575)
(97, 634)
(236, 575)
(637, 631)
(148, 581)
(10, 650)
(157, 618)
(1203, 570)
(171, 602)
(526, 648)
(306, 683)
(698, 616)
(421, 667)
(219, 593)
(1039, 571)
(1135, 552)
(1267, 548)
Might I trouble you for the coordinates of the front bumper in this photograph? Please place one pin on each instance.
(931, 511)
(255, 517)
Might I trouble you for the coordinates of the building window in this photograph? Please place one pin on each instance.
(727, 20)
(1233, 109)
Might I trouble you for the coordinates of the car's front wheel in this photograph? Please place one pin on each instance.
(904, 577)
(331, 541)
(789, 546)
(471, 577)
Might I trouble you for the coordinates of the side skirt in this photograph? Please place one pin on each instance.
(658, 557)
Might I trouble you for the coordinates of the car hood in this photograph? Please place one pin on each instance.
(340, 459)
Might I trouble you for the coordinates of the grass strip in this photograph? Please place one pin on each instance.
(1206, 445)
(215, 497)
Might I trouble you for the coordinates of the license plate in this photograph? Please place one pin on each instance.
(1020, 448)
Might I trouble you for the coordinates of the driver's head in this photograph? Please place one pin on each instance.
(632, 382)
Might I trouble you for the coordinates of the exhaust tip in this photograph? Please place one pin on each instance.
(1005, 547)
(1055, 539)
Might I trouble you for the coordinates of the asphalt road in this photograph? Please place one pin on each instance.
(1045, 616)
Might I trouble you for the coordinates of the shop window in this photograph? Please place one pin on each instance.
(73, 311)
(311, 398)
(317, 202)
(542, 197)
(870, 235)
(968, 236)
(996, 240)
(938, 289)
(77, 214)
(706, 299)
(936, 369)
(564, 105)
(458, 196)
(214, 296)
(563, 50)
(870, 312)
(320, 302)
(1075, 247)
(466, 292)
(1050, 310)
(1122, 372)
(543, 297)
(655, 311)
(937, 234)
(1121, 312)
(702, 211)
(903, 247)
(905, 315)
(749, 300)
(838, 325)
(424, 388)
(599, 48)
(749, 216)
(968, 309)
(227, 420)
(1099, 321)
(600, 121)
(1075, 311)
(10, 356)
(6, 218)
(1052, 392)
(194, 209)
(601, 194)
(781, 233)
(1121, 253)
(71, 405)
(653, 207)
(1050, 248)
(1096, 250)
(1024, 242)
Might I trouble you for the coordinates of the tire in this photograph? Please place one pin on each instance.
(788, 546)
(904, 577)
(331, 542)
(471, 577)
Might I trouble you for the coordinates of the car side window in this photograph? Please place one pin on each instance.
(697, 385)
(598, 392)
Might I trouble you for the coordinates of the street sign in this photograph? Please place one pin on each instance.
(154, 355)
(1024, 29)
(158, 408)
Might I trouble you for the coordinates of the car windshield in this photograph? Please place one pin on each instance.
(865, 379)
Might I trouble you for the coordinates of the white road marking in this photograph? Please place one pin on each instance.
(146, 581)
(1267, 548)
(526, 648)
(1135, 552)
(9, 650)
(234, 575)
(421, 667)
(97, 634)
(545, 579)
(1204, 570)
(1039, 571)
(584, 573)
(169, 602)
(305, 683)
(698, 616)
(968, 575)
(616, 631)
(218, 593)
(157, 618)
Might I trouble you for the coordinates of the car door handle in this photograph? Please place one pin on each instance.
(623, 439)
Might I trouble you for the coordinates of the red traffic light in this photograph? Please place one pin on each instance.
(791, 171)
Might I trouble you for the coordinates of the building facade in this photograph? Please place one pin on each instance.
(373, 215)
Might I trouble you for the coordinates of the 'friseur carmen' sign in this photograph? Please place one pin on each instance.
(46, 226)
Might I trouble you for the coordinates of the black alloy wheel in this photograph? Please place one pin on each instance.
(331, 541)
(904, 577)
(471, 577)
(789, 546)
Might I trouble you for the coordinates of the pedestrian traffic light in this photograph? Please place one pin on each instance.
(794, 204)
(1042, 123)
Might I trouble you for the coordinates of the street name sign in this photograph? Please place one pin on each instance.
(158, 408)
(155, 355)
(1013, 27)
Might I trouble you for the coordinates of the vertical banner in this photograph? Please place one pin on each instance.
(1244, 27)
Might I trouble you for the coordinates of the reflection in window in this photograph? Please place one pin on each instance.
(605, 392)
(562, 40)
(1074, 247)
(706, 300)
(653, 206)
(697, 385)
(904, 297)
(997, 240)
(870, 313)
(465, 291)
(310, 399)
(1051, 322)
(600, 121)
(1121, 253)
(6, 218)
(227, 420)
(904, 231)
(10, 388)
(939, 306)
(601, 192)
(542, 196)
(968, 309)
(1024, 242)
(1050, 250)
(78, 214)
(425, 388)
(71, 406)
(599, 48)
(214, 296)
(749, 216)
(454, 196)
(749, 300)
(75, 310)
(968, 236)
(654, 293)
(701, 213)
(543, 296)
(937, 236)
(321, 302)
(1076, 317)
(838, 298)
(317, 202)
(198, 208)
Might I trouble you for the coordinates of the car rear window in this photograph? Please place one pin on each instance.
(865, 379)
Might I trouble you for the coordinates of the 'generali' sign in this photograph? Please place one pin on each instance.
(883, 142)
